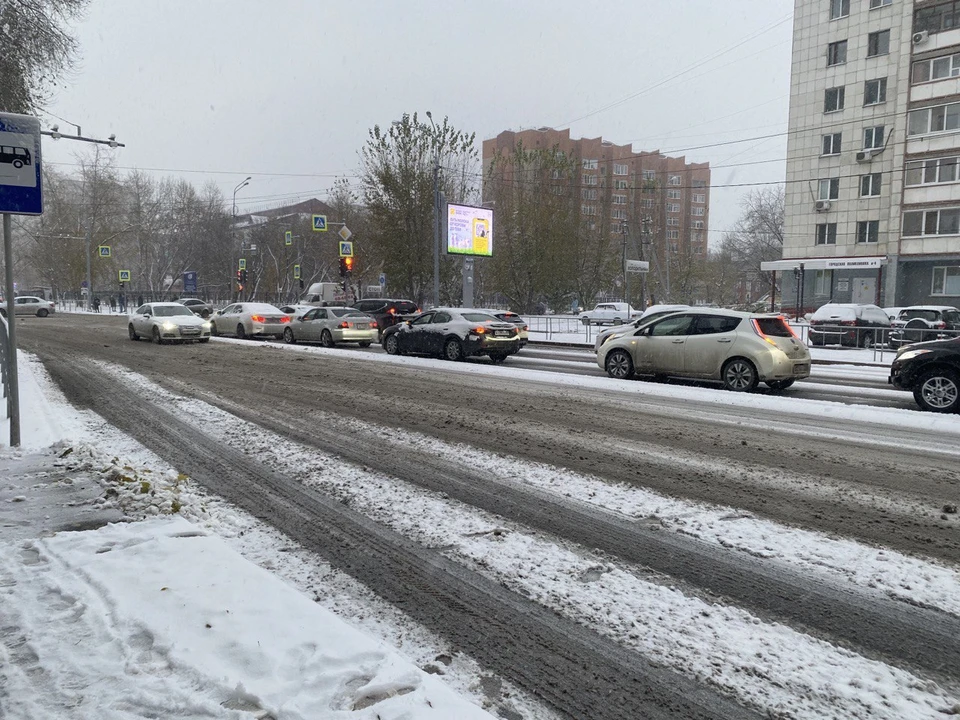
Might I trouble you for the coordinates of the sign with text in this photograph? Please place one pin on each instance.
(638, 266)
(469, 230)
(21, 191)
(190, 281)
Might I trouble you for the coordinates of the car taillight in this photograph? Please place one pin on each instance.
(285, 319)
(480, 330)
(257, 318)
(392, 311)
(344, 325)
(373, 323)
(940, 325)
(761, 333)
(787, 325)
(524, 328)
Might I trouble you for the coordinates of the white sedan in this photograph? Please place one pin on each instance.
(30, 305)
(331, 325)
(250, 319)
(165, 322)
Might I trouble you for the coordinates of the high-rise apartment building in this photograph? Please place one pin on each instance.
(666, 198)
(873, 154)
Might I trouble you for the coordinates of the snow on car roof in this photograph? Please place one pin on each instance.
(260, 306)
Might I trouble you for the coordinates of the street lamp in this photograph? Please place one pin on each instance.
(236, 190)
(436, 216)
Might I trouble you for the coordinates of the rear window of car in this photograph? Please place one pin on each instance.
(835, 312)
(775, 327)
(929, 315)
(405, 308)
(479, 317)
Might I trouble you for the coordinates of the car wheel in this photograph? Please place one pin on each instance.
(132, 333)
(391, 345)
(619, 364)
(498, 358)
(364, 344)
(213, 330)
(739, 375)
(241, 331)
(326, 339)
(453, 350)
(585, 321)
(618, 321)
(156, 336)
(43, 312)
(204, 340)
(780, 385)
(288, 336)
(938, 390)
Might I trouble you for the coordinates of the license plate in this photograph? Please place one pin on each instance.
(189, 331)
(502, 333)
(801, 369)
(362, 326)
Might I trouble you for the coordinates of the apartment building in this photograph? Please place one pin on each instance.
(665, 198)
(873, 154)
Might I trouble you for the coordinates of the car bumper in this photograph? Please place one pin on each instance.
(777, 365)
(267, 328)
(180, 335)
(485, 345)
(353, 335)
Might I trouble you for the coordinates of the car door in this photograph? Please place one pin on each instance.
(659, 348)
(709, 344)
(316, 325)
(227, 320)
(20, 306)
(142, 321)
(301, 326)
(415, 335)
(436, 331)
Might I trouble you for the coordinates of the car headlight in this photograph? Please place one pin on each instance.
(611, 336)
(206, 326)
(168, 326)
(910, 354)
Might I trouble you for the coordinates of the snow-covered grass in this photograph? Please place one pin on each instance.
(768, 665)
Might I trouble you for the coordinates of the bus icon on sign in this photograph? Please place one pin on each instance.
(16, 156)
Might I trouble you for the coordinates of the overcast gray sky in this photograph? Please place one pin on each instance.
(286, 90)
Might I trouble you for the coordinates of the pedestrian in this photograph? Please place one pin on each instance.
(113, 304)
(96, 303)
(139, 300)
(122, 301)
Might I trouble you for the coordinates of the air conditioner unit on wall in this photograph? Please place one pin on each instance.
(865, 156)
(920, 37)
(821, 205)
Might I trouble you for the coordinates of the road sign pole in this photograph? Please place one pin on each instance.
(12, 378)
(90, 265)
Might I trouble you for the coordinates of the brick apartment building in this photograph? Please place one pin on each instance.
(665, 200)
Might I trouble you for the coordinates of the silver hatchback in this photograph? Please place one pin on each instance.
(737, 349)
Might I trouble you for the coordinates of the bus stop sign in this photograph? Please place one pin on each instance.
(20, 186)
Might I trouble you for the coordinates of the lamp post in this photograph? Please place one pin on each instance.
(236, 190)
(436, 216)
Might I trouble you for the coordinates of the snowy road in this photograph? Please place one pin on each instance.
(522, 518)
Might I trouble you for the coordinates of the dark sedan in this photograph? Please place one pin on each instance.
(454, 334)
(932, 371)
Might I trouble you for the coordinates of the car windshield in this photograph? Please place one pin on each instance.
(171, 310)
(479, 317)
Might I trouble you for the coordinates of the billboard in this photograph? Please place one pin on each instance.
(469, 230)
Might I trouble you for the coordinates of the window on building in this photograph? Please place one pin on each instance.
(697, 211)
(917, 223)
(588, 194)
(828, 189)
(589, 179)
(699, 198)
(875, 91)
(699, 183)
(839, 9)
(619, 184)
(673, 194)
(936, 17)
(870, 185)
(833, 99)
(831, 144)
(555, 175)
(939, 68)
(619, 169)
(619, 214)
(649, 174)
(941, 118)
(946, 280)
(619, 200)
(873, 137)
(674, 180)
(932, 171)
(878, 43)
(590, 164)
(823, 283)
(868, 231)
(874, 4)
(698, 225)
(826, 234)
(673, 207)
(673, 235)
(837, 53)
(673, 221)
(646, 203)
(588, 209)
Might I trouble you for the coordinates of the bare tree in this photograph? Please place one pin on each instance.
(37, 50)
(758, 235)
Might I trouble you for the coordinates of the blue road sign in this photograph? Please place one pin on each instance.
(346, 249)
(124, 275)
(320, 223)
(190, 281)
(104, 250)
(383, 280)
(21, 191)
(288, 238)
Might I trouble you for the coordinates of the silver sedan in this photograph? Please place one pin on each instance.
(331, 325)
(165, 322)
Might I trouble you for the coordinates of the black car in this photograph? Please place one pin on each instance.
(454, 334)
(386, 311)
(932, 371)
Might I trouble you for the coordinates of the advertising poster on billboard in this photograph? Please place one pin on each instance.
(469, 230)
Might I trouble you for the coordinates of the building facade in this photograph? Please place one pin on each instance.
(873, 153)
(666, 200)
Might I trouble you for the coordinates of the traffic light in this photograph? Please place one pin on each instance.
(348, 262)
(243, 276)
(343, 267)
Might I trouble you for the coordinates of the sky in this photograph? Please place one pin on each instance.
(287, 91)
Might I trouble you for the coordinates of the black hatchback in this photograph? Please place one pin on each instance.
(387, 311)
(932, 371)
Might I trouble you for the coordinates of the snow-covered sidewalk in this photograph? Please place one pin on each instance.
(160, 617)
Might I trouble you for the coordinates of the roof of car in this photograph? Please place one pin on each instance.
(928, 307)
(164, 304)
